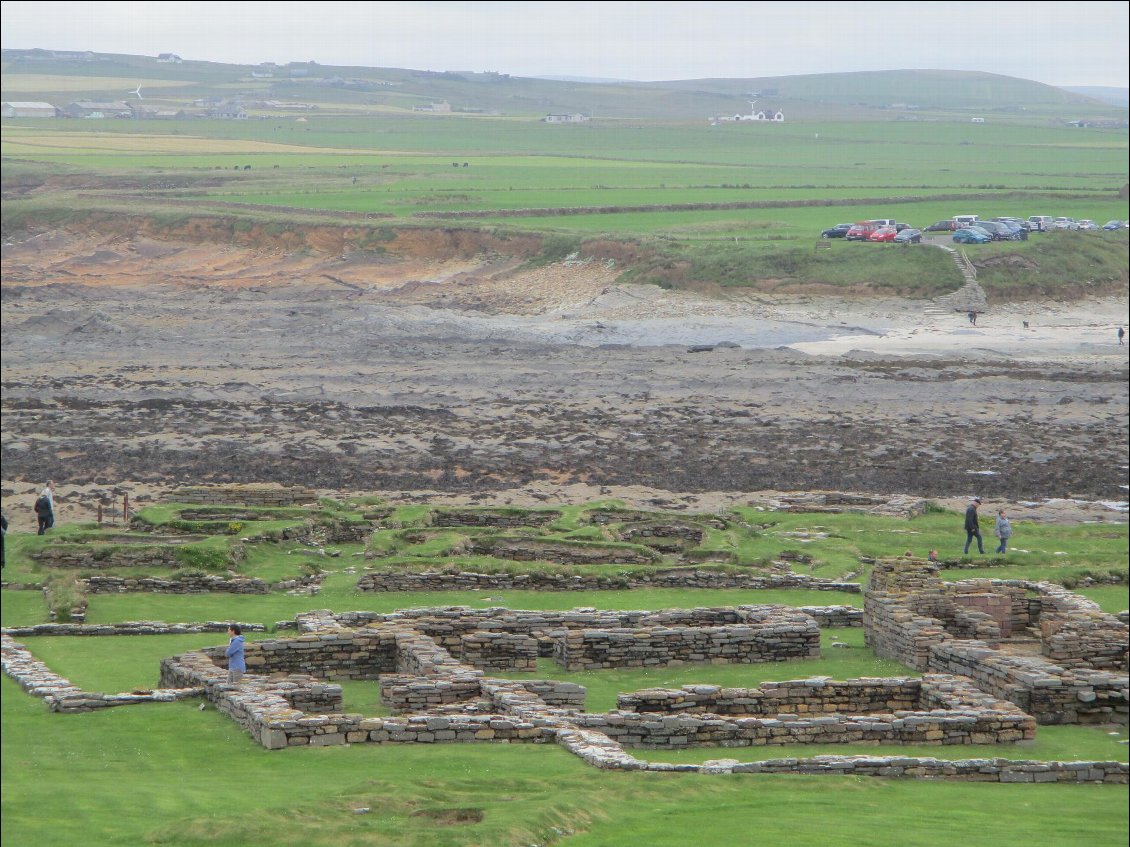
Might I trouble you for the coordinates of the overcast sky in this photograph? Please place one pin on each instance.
(1057, 43)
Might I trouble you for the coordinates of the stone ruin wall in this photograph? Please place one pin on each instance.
(242, 495)
(400, 581)
(599, 649)
(938, 709)
(897, 628)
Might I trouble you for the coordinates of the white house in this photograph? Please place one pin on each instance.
(755, 114)
(574, 118)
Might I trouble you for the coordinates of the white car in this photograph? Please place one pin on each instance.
(1064, 223)
(1086, 223)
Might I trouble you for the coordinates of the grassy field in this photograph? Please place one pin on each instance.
(173, 774)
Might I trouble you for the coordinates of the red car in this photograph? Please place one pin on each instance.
(883, 233)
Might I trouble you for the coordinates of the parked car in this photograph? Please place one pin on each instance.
(971, 235)
(1064, 223)
(1087, 223)
(861, 231)
(1113, 225)
(1040, 223)
(837, 231)
(1020, 222)
(910, 235)
(965, 220)
(942, 226)
(883, 233)
(999, 231)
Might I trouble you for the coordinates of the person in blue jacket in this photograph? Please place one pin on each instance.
(236, 663)
(1003, 531)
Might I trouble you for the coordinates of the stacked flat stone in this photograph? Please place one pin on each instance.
(895, 626)
(399, 580)
(242, 495)
(497, 518)
(177, 584)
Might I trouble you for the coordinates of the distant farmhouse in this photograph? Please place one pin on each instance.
(95, 109)
(28, 110)
(574, 118)
(228, 112)
(170, 58)
(143, 112)
(755, 114)
(443, 108)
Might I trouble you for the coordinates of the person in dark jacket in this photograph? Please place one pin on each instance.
(973, 527)
(236, 663)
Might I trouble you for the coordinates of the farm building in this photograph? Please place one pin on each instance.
(229, 112)
(755, 114)
(172, 58)
(443, 108)
(574, 118)
(28, 110)
(98, 109)
(156, 113)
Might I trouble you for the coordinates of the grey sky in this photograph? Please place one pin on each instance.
(1057, 43)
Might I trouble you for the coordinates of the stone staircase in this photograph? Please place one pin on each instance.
(969, 298)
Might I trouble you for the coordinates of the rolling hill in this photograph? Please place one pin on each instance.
(60, 77)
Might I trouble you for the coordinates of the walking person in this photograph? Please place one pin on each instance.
(1003, 531)
(45, 508)
(1121, 335)
(236, 663)
(973, 527)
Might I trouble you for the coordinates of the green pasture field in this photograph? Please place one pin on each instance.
(170, 774)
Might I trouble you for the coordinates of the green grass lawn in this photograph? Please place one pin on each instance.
(170, 774)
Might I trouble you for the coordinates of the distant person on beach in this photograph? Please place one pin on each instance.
(972, 527)
(236, 663)
(973, 318)
(1121, 335)
(45, 508)
(1003, 531)
(3, 539)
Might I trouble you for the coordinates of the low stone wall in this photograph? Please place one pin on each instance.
(498, 518)
(499, 651)
(61, 695)
(914, 767)
(533, 550)
(392, 581)
(176, 584)
(128, 628)
(93, 556)
(355, 654)
(242, 495)
(748, 643)
(834, 617)
(815, 696)
(665, 537)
